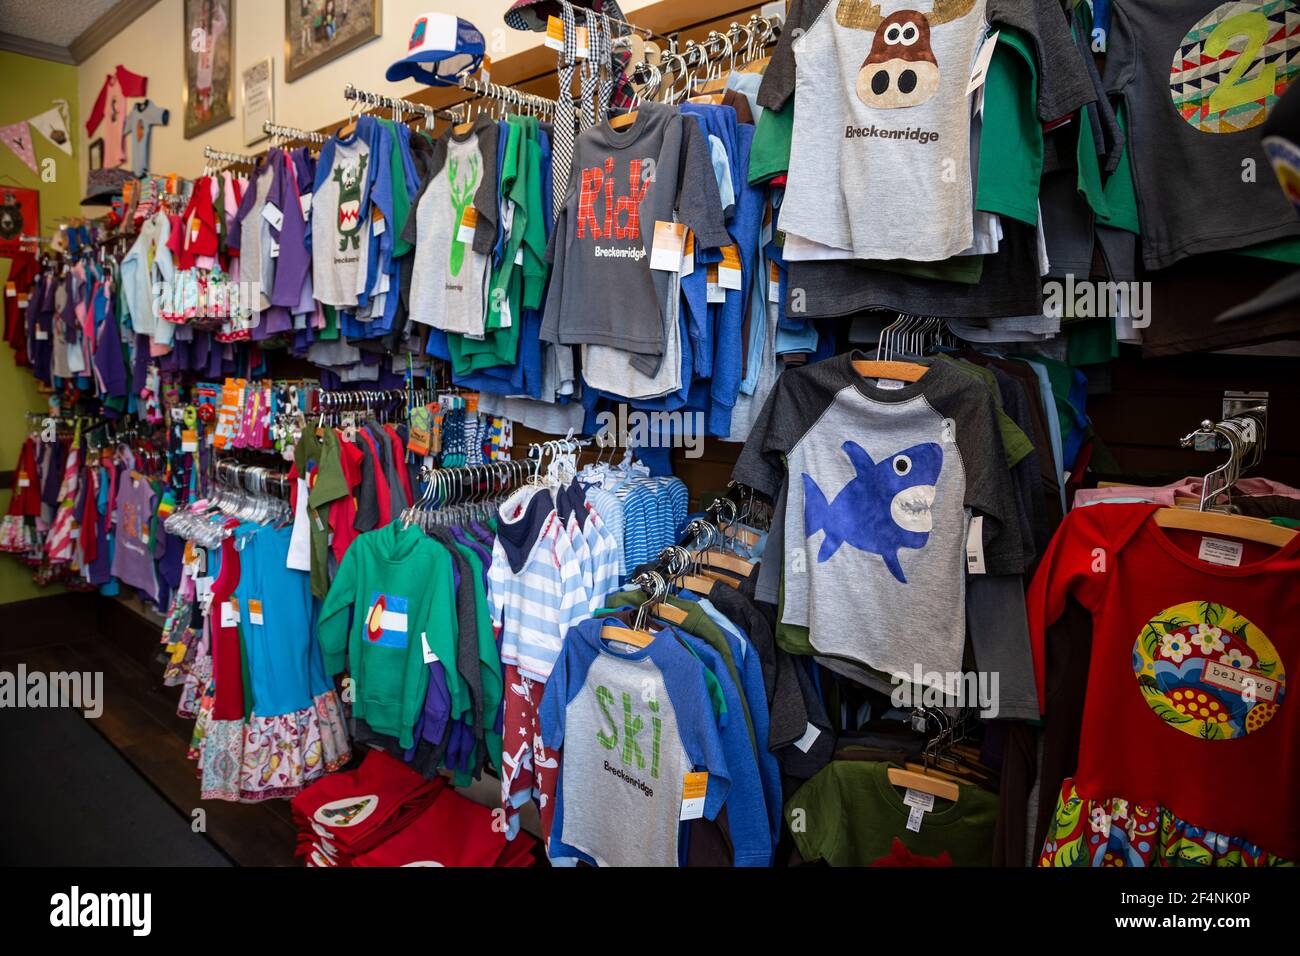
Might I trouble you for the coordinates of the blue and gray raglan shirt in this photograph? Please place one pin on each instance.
(632, 723)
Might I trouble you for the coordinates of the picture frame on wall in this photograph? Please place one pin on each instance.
(317, 32)
(95, 153)
(257, 99)
(20, 215)
(209, 79)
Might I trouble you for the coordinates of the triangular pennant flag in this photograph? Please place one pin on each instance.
(53, 125)
(17, 138)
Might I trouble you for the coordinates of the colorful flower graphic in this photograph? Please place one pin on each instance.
(1207, 671)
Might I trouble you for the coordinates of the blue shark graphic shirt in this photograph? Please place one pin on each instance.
(882, 480)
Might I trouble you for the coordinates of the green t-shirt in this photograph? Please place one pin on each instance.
(330, 484)
(769, 153)
(1121, 196)
(850, 815)
(489, 665)
(1011, 136)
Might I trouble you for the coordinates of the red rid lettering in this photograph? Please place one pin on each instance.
(590, 189)
(630, 228)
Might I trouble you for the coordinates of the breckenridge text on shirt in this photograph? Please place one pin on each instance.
(922, 136)
(613, 252)
(627, 777)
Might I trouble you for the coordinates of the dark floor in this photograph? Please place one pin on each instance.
(67, 798)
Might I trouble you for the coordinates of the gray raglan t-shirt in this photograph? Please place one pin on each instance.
(340, 240)
(882, 486)
(1198, 77)
(623, 181)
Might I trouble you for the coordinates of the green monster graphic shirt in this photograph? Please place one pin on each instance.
(453, 230)
(339, 237)
(633, 724)
(881, 136)
(1197, 78)
(893, 491)
(1193, 645)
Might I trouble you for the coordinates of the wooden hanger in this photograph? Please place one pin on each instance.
(1231, 526)
(926, 783)
(626, 635)
(669, 613)
(697, 583)
(727, 562)
(900, 371)
(623, 120)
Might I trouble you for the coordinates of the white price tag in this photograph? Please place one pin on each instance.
(230, 612)
(980, 71)
(975, 546)
(255, 612)
(809, 738)
(468, 222)
(429, 656)
(272, 214)
(305, 202)
(275, 249)
(669, 243)
(41, 335)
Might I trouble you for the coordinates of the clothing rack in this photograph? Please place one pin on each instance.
(1244, 435)
(357, 400)
(401, 106)
(292, 134)
(506, 94)
(254, 479)
(228, 159)
(629, 27)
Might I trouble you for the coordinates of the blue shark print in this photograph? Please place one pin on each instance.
(887, 506)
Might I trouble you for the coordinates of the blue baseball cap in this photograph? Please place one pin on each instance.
(443, 48)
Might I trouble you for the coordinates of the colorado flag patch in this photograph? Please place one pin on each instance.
(386, 621)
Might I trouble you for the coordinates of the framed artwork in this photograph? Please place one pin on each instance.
(319, 31)
(256, 99)
(96, 153)
(20, 214)
(209, 27)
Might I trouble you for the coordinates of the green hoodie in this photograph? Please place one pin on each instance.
(394, 587)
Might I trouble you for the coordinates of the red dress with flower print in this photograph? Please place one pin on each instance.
(1187, 705)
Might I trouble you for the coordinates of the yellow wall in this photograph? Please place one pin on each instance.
(30, 87)
(154, 47)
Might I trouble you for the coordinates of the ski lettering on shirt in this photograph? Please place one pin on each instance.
(619, 216)
(633, 725)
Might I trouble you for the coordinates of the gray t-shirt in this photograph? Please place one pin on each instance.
(449, 274)
(140, 121)
(603, 291)
(882, 485)
(340, 240)
(1190, 123)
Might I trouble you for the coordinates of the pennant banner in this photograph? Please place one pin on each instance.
(17, 137)
(53, 125)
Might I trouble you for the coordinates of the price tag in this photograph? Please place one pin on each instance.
(275, 249)
(774, 283)
(23, 299)
(975, 546)
(584, 47)
(519, 256)
(714, 293)
(41, 334)
(189, 440)
(272, 214)
(468, 222)
(694, 787)
(729, 274)
(688, 254)
(11, 290)
(305, 201)
(809, 738)
(255, 612)
(554, 33)
(429, 656)
(980, 71)
(669, 245)
(377, 221)
(230, 612)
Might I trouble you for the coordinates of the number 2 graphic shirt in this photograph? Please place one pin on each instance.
(1198, 77)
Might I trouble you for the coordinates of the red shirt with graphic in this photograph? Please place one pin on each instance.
(1195, 639)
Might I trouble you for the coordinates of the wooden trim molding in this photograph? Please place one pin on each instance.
(37, 48)
(106, 27)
